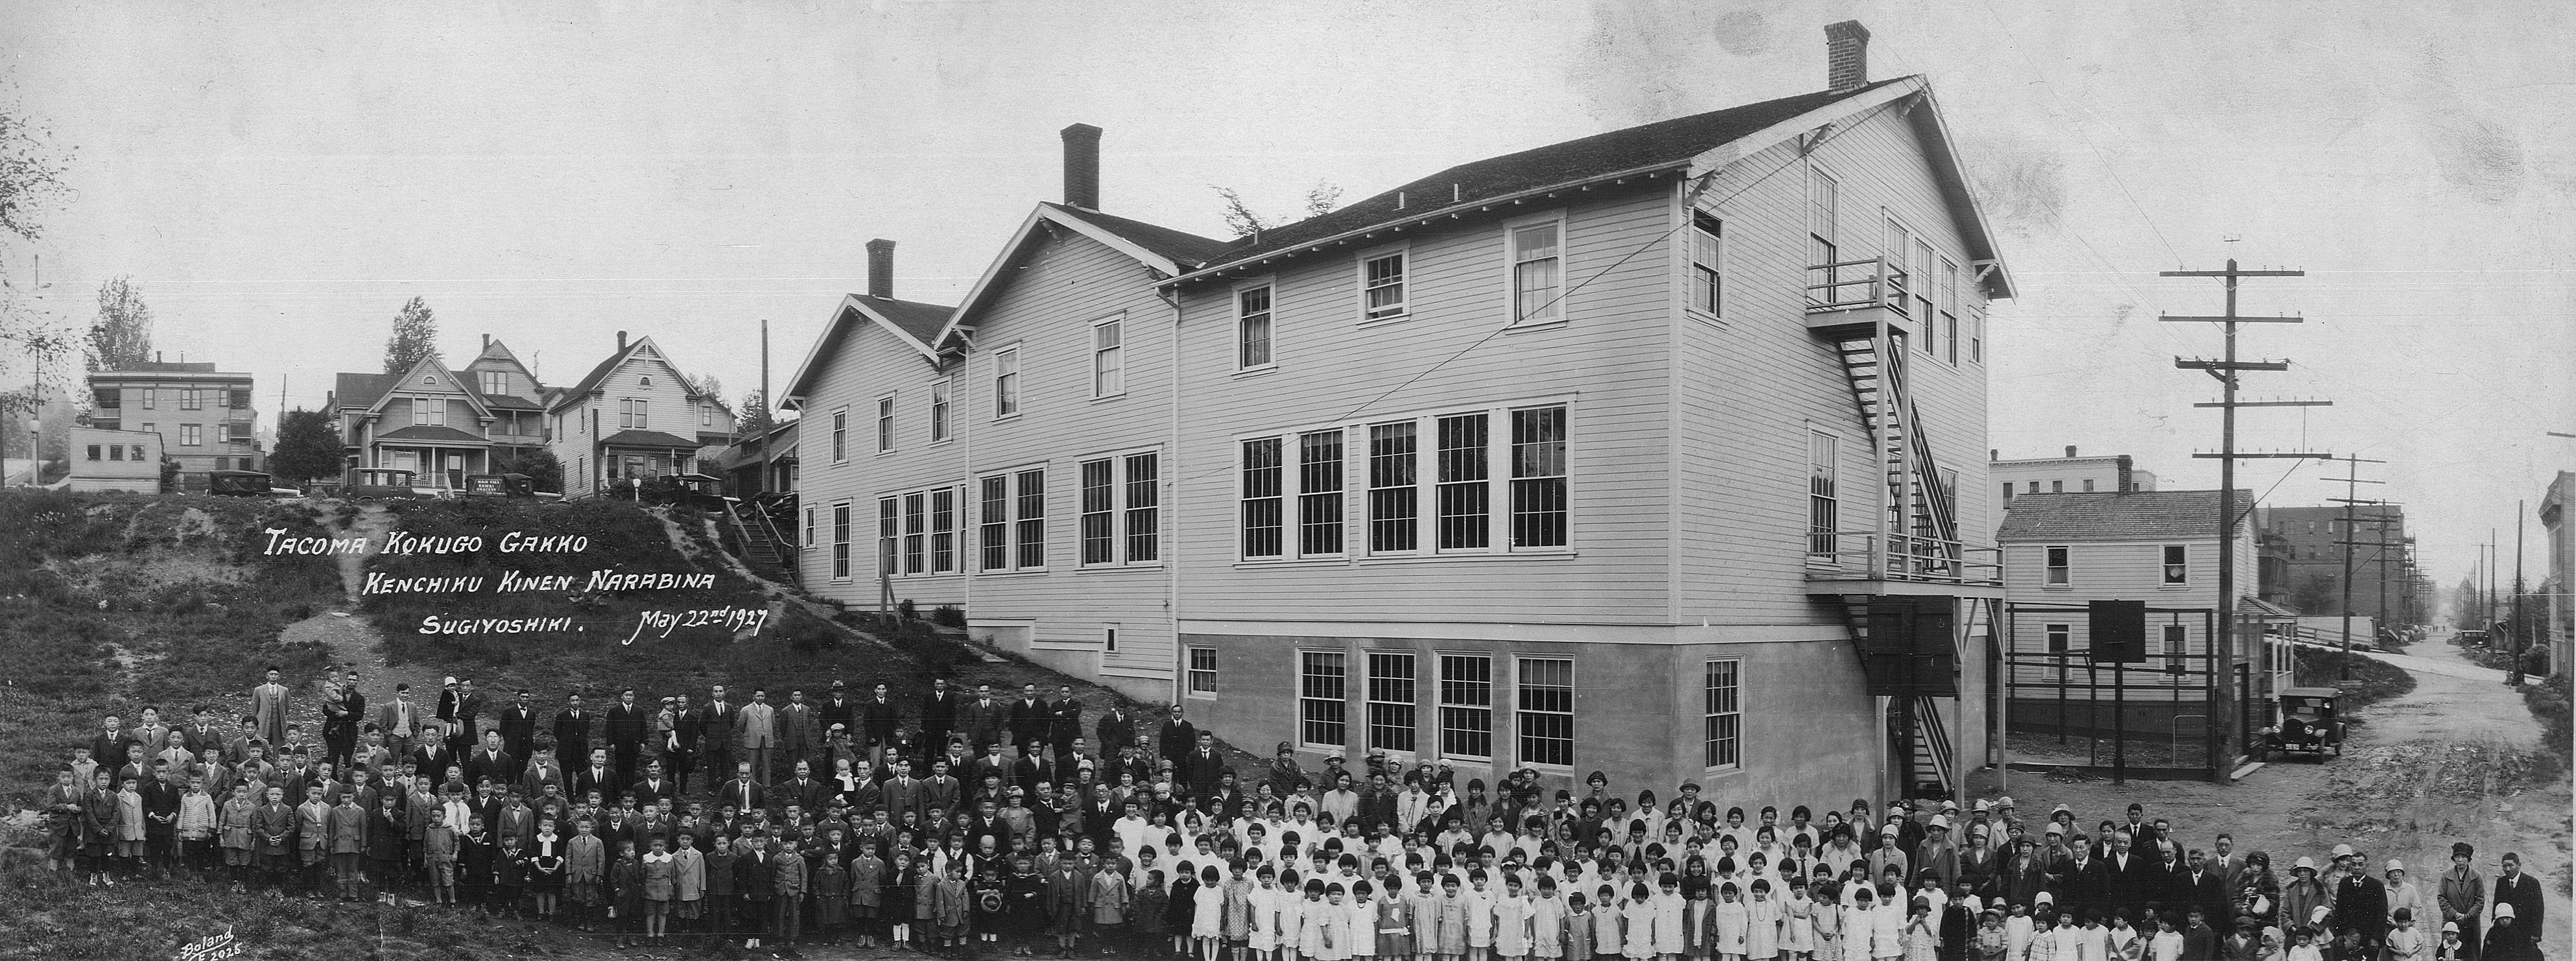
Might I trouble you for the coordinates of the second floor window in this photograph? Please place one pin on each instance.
(494, 381)
(1319, 493)
(630, 415)
(939, 410)
(1824, 507)
(1006, 383)
(2060, 573)
(1537, 274)
(2177, 565)
(1262, 488)
(840, 435)
(192, 399)
(1382, 287)
(1252, 328)
(429, 412)
(1108, 360)
(190, 435)
(885, 423)
(1707, 282)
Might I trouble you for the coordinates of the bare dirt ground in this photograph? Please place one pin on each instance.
(2448, 762)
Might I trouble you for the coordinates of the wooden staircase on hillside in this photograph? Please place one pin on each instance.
(759, 544)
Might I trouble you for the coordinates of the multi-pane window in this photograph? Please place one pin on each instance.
(494, 382)
(2177, 565)
(1322, 691)
(1538, 477)
(1006, 383)
(1820, 218)
(889, 535)
(841, 541)
(916, 531)
(1390, 702)
(2059, 571)
(240, 401)
(943, 530)
(1252, 328)
(1202, 671)
(1900, 241)
(2176, 636)
(939, 410)
(1319, 493)
(148, 394)
(1393, 514)
(1543, 710)
(1031, 513)
(809, 530)
(1708, 249)
(1466, 706)
(1382, 287)
(1537, 274)
(1263, 486)
(840, 435)
(1824, 509)
(993, 530)
(432, 412)
(885, 423)
(1950, 310)
(641, 421)
(1722, 714)
(1924, 282)
(2060, 637)
(1465, 499)
(192, 399)
(190, 435)
(1099, 520)
(1108, 360)
(706, 413)
(1144, 508)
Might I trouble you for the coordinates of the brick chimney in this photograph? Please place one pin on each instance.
(1846, 56)
(2070, 450)
(1082, 166)
(2128, 482)
(881, 268)
(621, 342)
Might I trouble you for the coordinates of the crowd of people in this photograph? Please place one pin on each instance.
(965, 819)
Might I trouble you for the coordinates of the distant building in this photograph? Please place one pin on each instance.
(762, 463)
(203, 415)
(2313, 538)
(632, 416)
(441, 424)
(2557, 604)
(513, 395)
(2071, 474)
(104, 459)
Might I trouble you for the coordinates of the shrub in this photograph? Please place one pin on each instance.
(948, 615)
(904, 610)
(2364, 680)
(2550, 704)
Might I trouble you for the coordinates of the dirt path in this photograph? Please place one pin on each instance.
(2445, 763)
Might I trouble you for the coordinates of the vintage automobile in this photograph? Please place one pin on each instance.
(509, 486)
(384, 483)
(693, 490)
(2308, 722)
(246, 483)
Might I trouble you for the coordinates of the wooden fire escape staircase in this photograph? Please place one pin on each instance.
(1906, 627)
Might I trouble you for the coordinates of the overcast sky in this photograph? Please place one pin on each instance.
(279, 182)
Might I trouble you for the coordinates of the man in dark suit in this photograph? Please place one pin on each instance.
(802, 790)
(982, 718)
(902, 792)
(625, 732)
(743, 793)
(988, 764)
(1033, 766)
(2522, 892)
(878, 723)
(2126, 877)
(938, 714)
(680, 747)
(432, 757)
(2085, 883)
(2360, 902)
(519, 727)
(489, 761)
(939, 792)
(597, 775)
(837, 708)
(2142, 835)
(715, 729)
(572, 733)
(1031, 717)
(1064, 725)
(1204, 768)
(653, 786)
(469, 706)
(1176, 739)
(2210, 891)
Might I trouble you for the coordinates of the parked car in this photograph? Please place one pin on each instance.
(510, 486)
(2309, 722)
(246, 483)
(694, 490)
(385, 483)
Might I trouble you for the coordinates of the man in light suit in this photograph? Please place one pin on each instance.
(756, 733)
(400, 720)
(268, 702)
(151, 733)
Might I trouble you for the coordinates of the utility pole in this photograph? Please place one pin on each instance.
(2513, 674)
(2352, 477)
(2378, 558)
(2222, 648)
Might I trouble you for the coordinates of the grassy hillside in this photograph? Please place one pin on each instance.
(109, 602)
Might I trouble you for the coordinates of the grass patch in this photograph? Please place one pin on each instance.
(2364, 680)
(109, 602)
(2550, 705)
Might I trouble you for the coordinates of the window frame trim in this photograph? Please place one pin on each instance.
(1360, 284)
(1019, 378)
(1118, 318)
(2045, 567)
(889, 428)
(1297, 669)
(1498, 480)
(2167, 585)
(1690, 265)
(1573, 714)
(1119, 506)
(1189, 672)
(1235, 304)
(1494, 715)
(1741, 738)
(1511, 229)
(943, 412)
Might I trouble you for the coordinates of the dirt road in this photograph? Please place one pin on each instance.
(2447, 763)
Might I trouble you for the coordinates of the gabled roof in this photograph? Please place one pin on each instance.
(590, 382)
(1162, 249)
(2112, 516)
(360, 390)
(424, 432)
(495, 350)
(648, 438)
(369, 391)
(912, 322)
(1711, 139)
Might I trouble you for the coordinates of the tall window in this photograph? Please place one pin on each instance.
(1900, 244)
(2177, 566)
(706, 413)
(889, 535)
(2176, 635)
(1708, 248)
(1202, 671)
(1537, 274)
(2059, 573)
(885, 423)
(1392, 512)
(1824, 509)
(1390, 702)
(1322, 689)
(190, 435)
(1821, 244)
(1466, 706)
(943, 531)
(494, 382)
(1543, 710)
(641, 422)
(1722, 714)
(149, 394)
(916, 530)
(808, 541)
(1464, 496)
(1924, 282)
(1950, 310)
(1977, 337)
(1006, 383)
(1252, 328)
(1108, 365)
(1538, 477)
(1031, 512)
(192, 399)
(1262, 489)
(841, 541)
(1100, 512)
(994, 527)
(840, 435)
(429, 411)
(939, 410)
(1319, 493)
(1144, 508)
(2060, 637)
(1382, 287)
